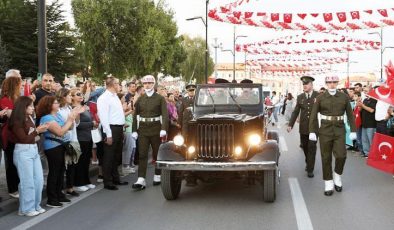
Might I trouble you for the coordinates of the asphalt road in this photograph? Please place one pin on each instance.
(366, 202)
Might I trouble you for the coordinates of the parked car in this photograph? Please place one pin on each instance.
(226, 136)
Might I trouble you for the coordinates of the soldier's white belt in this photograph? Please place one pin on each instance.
(149, 119)
(332, 118)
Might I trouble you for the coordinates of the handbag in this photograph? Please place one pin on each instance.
(71, 152)
(96, 135)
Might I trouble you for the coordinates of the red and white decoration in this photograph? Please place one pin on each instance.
(348, 15)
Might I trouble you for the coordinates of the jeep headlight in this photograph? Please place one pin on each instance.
(191, 150)
(179, 140)
(238, 150)
(254, 139)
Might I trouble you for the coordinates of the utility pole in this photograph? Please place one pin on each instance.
(216, 46)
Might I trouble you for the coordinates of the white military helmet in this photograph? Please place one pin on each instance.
(148, 79)
(332, 78)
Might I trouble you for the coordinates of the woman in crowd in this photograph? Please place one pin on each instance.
(26, 157)
(289, 106)
(10, 91)
(174, 127)
(64, 98)
(129, 143)
(48, 113)
(86, 124)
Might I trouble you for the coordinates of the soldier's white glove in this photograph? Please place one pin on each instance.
(312, 137)
(163, 133)
(135, 135)
(353, 136)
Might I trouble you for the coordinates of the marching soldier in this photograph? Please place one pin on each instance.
(332, 106)
(304, 105)
(151, 122)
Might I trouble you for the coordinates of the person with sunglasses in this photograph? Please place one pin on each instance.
(303, 108)
(332, 105)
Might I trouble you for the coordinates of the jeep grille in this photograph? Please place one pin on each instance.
(215, 141)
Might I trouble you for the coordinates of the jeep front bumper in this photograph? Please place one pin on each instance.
(216, 166)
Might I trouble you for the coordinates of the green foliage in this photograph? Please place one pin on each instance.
(18, 28)
(4, 59)
(128, 37)
(194, 65)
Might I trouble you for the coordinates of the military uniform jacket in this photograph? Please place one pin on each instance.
(186, 102)
(304, 105)
(149, 107)
(329, 105)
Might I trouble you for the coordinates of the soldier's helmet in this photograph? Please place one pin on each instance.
(332, 78)
(148, 79)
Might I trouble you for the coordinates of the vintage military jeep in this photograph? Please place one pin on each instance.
(226, 137)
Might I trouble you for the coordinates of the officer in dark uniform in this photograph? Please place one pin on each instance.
(304, 105)
(184, 113)
(332, 105)
(151, 122)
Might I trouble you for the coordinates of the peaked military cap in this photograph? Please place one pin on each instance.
(246, 81)
(221, 80)
(191, 86)
(307, 79)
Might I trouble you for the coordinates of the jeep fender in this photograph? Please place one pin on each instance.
(170, 152)
(269, 152)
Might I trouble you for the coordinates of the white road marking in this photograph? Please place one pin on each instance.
(53, 211)
(283, 144)
(302, 215)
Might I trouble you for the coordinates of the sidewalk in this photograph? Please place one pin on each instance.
(9, 204)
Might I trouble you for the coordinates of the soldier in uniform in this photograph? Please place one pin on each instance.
(187, 102)
(332, 106)
(304, 105)
(151, 122)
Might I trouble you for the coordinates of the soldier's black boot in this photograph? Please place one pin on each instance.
(310, 174)
(328, 187)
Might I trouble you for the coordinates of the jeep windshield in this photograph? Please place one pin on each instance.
(245, 95)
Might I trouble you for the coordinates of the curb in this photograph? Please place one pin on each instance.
(12, 205)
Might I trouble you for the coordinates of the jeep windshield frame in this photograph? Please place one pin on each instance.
(229, 98)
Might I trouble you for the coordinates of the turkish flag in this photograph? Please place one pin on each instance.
(274, 17)
(26, 89)
(355, 14)
(248, 14)
(390, 75)
(341, 16)
(302, 16)
(287, 18)
(383, 93)
(383, 12)
(381, 154)
(327, 17)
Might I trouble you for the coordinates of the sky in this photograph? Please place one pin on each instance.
(365, 61)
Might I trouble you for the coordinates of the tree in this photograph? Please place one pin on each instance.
(194, 65)
(128, 37)
(18, 29)
(4, 59)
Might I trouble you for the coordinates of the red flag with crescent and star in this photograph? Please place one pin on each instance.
(383, 93)
(390, 75)
(381, 154)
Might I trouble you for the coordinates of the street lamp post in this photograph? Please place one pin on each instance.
(206, 37)
(216, 46)
(381, 51)
(233, 51)
(348, 67)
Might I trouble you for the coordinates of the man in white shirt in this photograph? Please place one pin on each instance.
(276, 104)
(380, 117)
(112, 118)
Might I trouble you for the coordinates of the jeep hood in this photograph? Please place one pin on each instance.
(231, 117)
